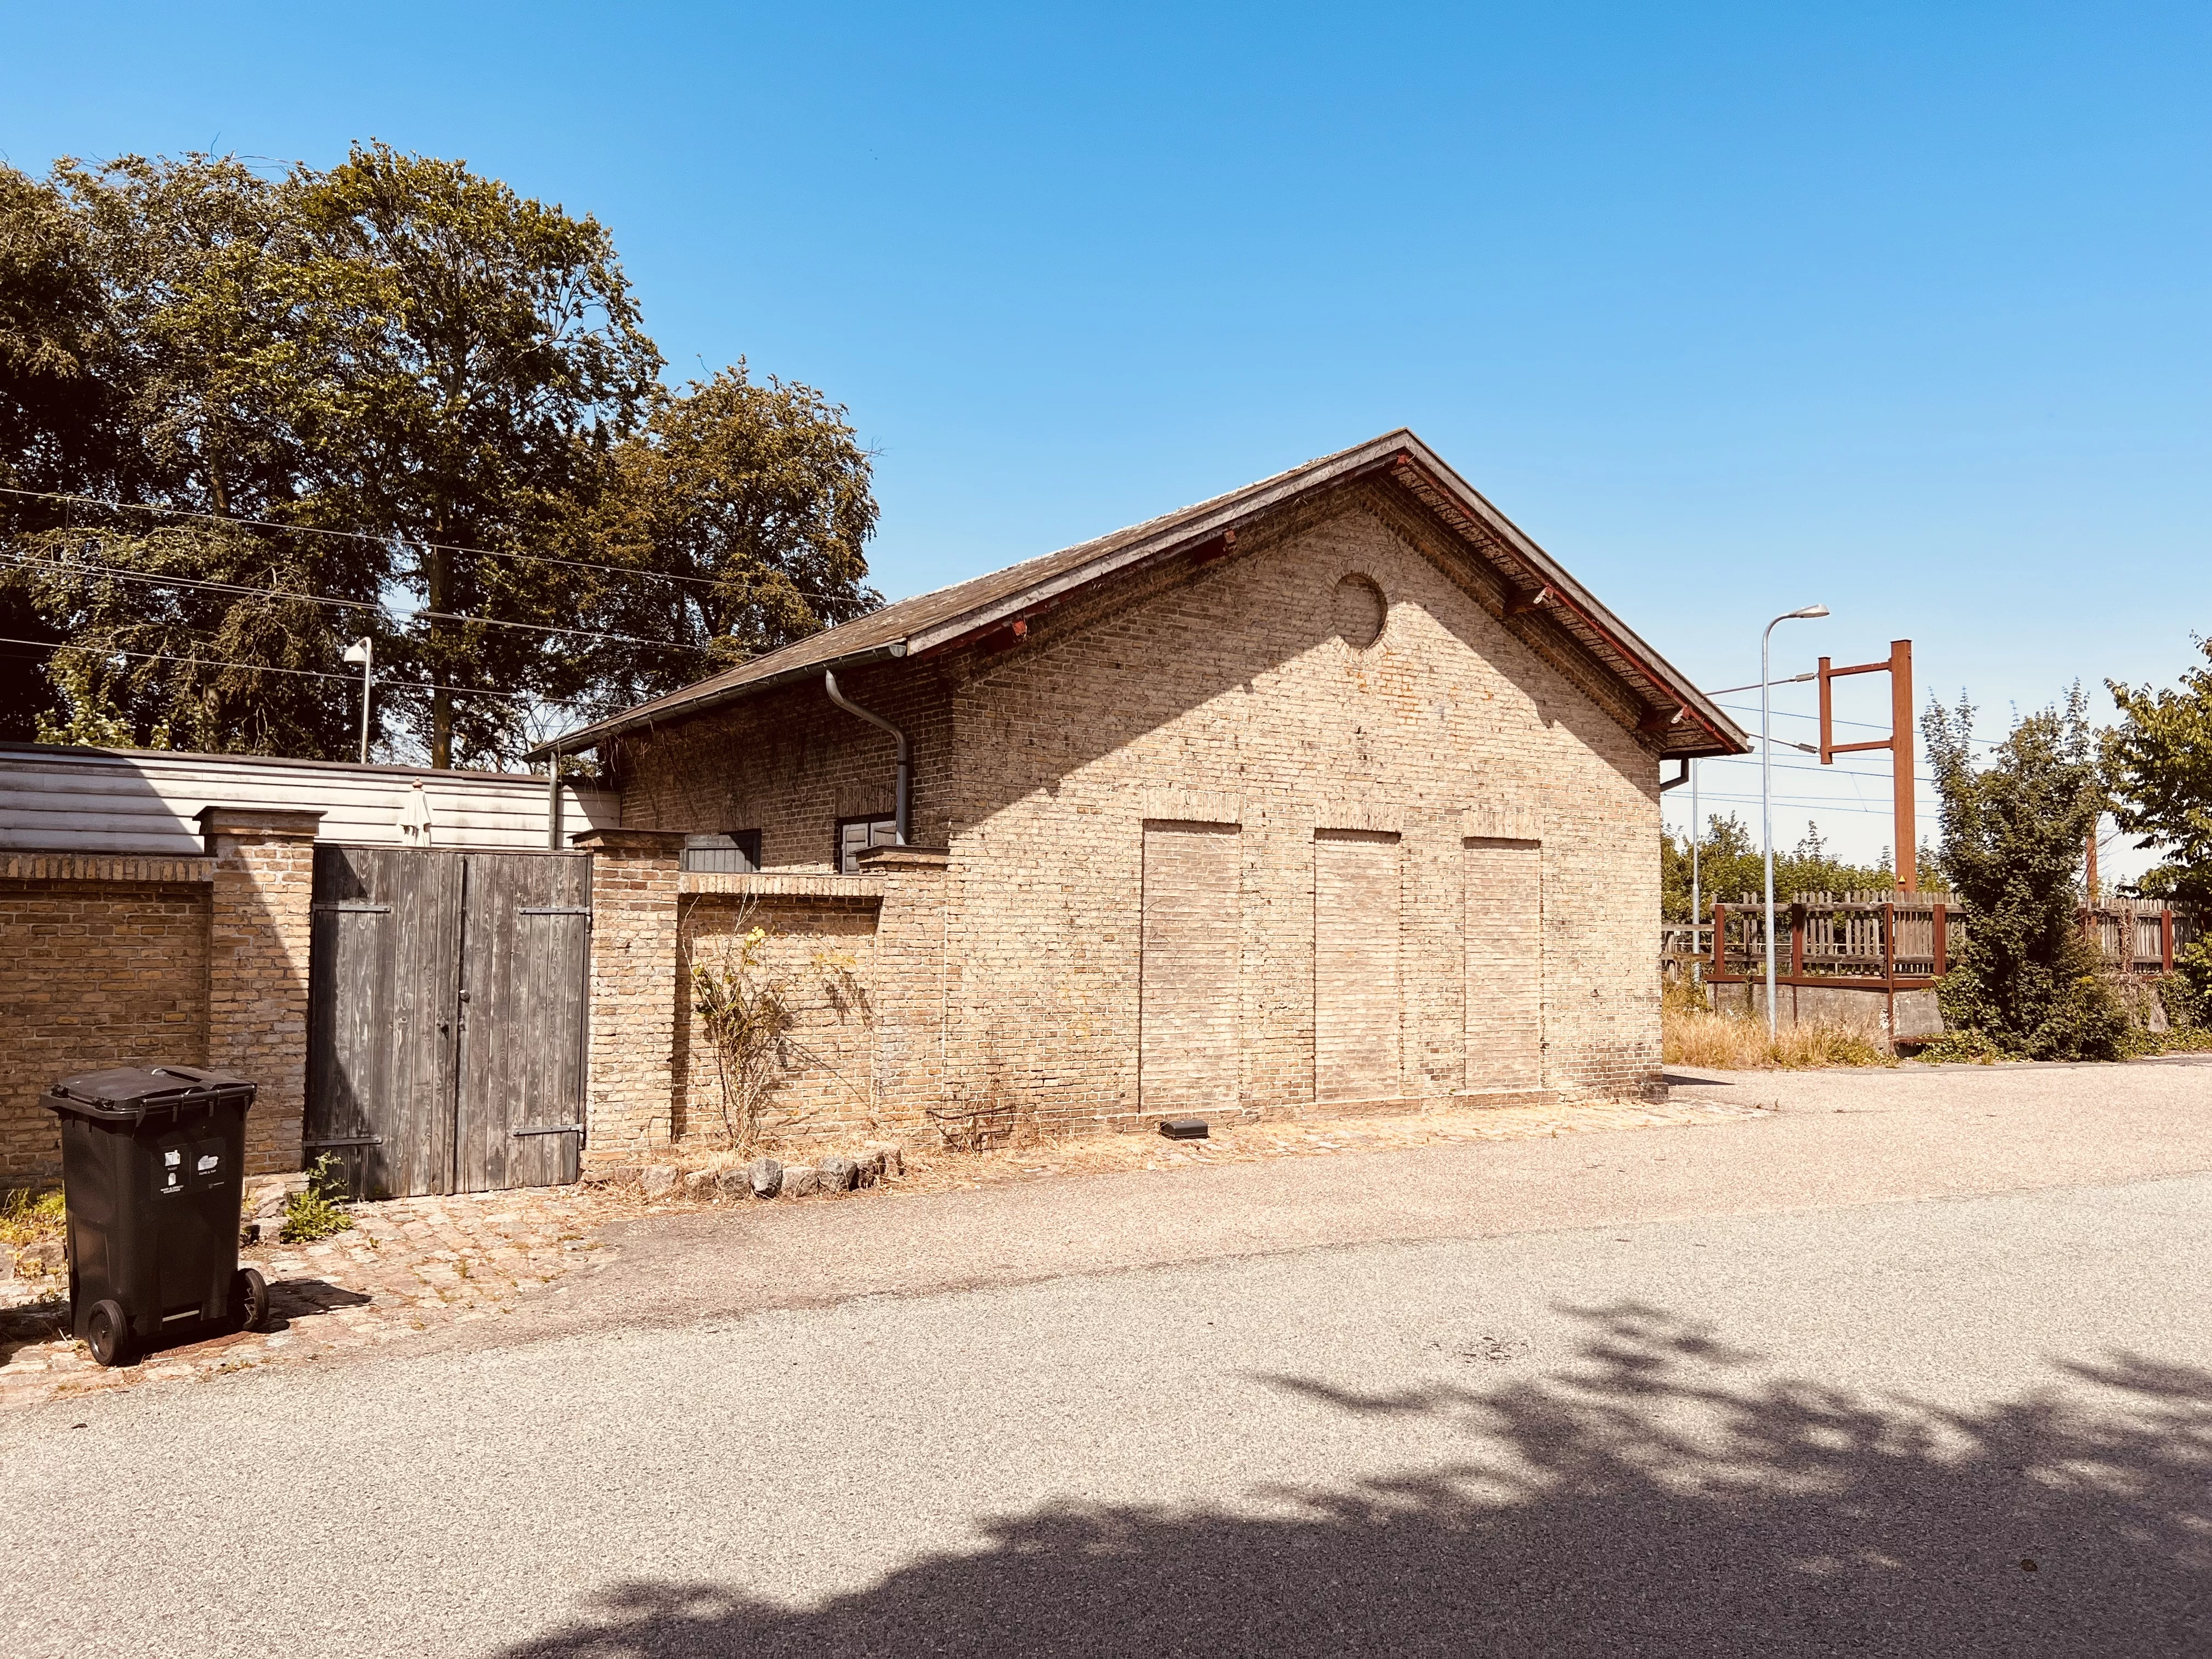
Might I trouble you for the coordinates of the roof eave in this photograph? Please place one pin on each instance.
(677, 706)
(1392, 451)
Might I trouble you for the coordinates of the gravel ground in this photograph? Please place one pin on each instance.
(1910, 1362)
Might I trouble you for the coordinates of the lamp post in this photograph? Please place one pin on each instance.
(363, 650)
(1766, 785)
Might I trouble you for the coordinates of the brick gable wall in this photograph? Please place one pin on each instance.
(1222, 693)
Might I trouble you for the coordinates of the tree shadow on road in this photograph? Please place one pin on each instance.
(1636, 1500)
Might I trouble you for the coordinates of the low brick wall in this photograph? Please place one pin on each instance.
(116, 959)
(103, 962)
(819, 953)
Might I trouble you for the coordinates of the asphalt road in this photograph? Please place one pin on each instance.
(1827, 1380)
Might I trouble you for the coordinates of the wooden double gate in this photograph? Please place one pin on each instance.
(447, 997)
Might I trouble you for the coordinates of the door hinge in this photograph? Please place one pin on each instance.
(342, 1140)
(552, 910)
(356, 909)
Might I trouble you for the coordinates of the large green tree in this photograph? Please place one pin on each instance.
(744, 509)
(493, 353)
(444, 393)
(2013, 830)
(49, 301)
(175, 317)
(2158, 768)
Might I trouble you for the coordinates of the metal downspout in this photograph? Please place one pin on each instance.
(903, 801)
(553, 801)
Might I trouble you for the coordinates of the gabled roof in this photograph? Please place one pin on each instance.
(1674, 713)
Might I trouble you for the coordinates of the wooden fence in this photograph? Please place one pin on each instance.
(1900, 941)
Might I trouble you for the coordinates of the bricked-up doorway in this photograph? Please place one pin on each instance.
(1187, 1005)
(1505, 964)
(448, 993)
(1356, 1000)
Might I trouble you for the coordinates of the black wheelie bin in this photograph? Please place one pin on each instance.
(153, 1175)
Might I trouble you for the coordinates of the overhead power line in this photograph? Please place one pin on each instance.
(32, 562)
(1803, 803)
(267, 668)
(1825, 771)
(1869, 725)
(354, 535)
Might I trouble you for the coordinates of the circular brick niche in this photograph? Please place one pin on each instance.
(1359, 611)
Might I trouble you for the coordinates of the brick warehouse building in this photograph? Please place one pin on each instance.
(1335, 788)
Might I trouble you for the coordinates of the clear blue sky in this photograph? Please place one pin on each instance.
(1900, 308)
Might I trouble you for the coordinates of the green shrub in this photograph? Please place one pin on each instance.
(2187, 991)
(30, 1218)
(319, 1212)
(1960, 1047)
(2013, 828)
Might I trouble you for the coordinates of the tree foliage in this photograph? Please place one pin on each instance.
(2158, 764)
(2013, 831)
(2158, 768)
(751, 501)
(444, 391)
(490, 349)
(1730, 864)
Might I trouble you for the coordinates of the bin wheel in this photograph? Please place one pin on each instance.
(107, 1334)
(249, 1293)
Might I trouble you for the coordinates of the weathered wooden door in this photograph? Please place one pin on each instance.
(447, 1001)
(526, 941)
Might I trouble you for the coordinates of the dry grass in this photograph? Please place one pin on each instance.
(1732, 1042)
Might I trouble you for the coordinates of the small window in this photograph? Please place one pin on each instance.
(737, 853)
(856, 835)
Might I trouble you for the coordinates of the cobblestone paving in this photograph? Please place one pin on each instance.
(410, 1264)
(405, 1267)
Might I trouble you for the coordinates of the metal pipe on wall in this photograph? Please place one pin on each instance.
(553, 801)
(902, 800)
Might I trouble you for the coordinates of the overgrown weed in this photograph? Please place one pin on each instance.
(319, 1212)
(30, 1218)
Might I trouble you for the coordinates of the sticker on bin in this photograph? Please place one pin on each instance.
(173, 1170)
(209, 1161)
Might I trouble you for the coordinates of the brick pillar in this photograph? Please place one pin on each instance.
(260, 917)
(909, 994)
(640, 1009)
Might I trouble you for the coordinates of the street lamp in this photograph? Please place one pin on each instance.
(1766, 785)
(363, 650)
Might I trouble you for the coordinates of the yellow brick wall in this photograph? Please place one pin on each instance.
(1219, 692)
(818, 956)
(93, 973)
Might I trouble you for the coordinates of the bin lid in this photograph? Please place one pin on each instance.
(132, 1091)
